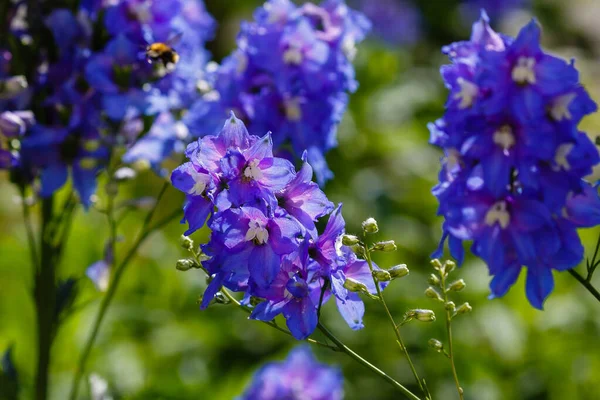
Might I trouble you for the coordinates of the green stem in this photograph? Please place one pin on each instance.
(116, 278)
(45, 302)
(30, 234)
(450, 353)
(407, 393)
(395, 327)
(591, 266)
(273, 324)
(339, 345)
(587, 284)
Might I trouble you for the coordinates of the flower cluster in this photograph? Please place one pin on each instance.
(291, 74)
(264, 241)
(514, 160)
(89, 88)
(300, 376)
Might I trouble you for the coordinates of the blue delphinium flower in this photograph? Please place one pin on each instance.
(396, 22)
(299, 376)
(13, 126)
(264, 240)
(290, 75)
(512, 175)
(94, 85)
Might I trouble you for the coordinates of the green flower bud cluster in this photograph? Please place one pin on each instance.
(440, 288)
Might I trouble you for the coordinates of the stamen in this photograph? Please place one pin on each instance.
(498, 213)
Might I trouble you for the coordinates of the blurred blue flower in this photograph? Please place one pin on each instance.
(299, 376)
(13, 126)
(396, 22)
(78, 147)
(495, 8)
(290, 75)
(514, 159)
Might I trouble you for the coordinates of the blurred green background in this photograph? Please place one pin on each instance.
(157, 344)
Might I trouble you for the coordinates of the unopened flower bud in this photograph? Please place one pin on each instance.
(458, 285)
(186, 243)
(424, 315)
(350, 240)
(370, 226)
(433, 294)
(12, 86)
(185, 264)
(355, 286)
(382, 275)
(436, 264)
(220, 298)
(387, 246)
(436, 345)
(15, 123)
(464, 309)
(141, 165)
(450, 306)
(398, 271)
(449, 266)
(433, 280)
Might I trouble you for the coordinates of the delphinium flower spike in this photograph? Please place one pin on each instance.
(291, 74)
(264, 241)
(512, 175)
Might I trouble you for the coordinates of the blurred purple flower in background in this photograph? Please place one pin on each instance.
(496, 9)
(395, 22)
(299, 376)
(93, 90)
(291, 75)
(512, 176)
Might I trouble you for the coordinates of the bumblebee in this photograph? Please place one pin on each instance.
(163, 52)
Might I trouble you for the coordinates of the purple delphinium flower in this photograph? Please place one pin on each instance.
(164, 137)
(299, 376)
(78, 147)
(290, 75)
(264, 240)
(512, 175)
(292, 295)
(118, 74)
(13, 125)
(303, 199)
(93, 82)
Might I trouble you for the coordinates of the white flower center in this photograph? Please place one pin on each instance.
(257, 232)
(293, 112)
(252, 171)
(199, 184)
(523, 72)
(504, 137)
(498, 213)
(293, 55)
(561, 156)
(452, 158)
(349, 47)
(468, 92)
(560, 107)
(181, 130)
(141, 12)
(242, 63)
